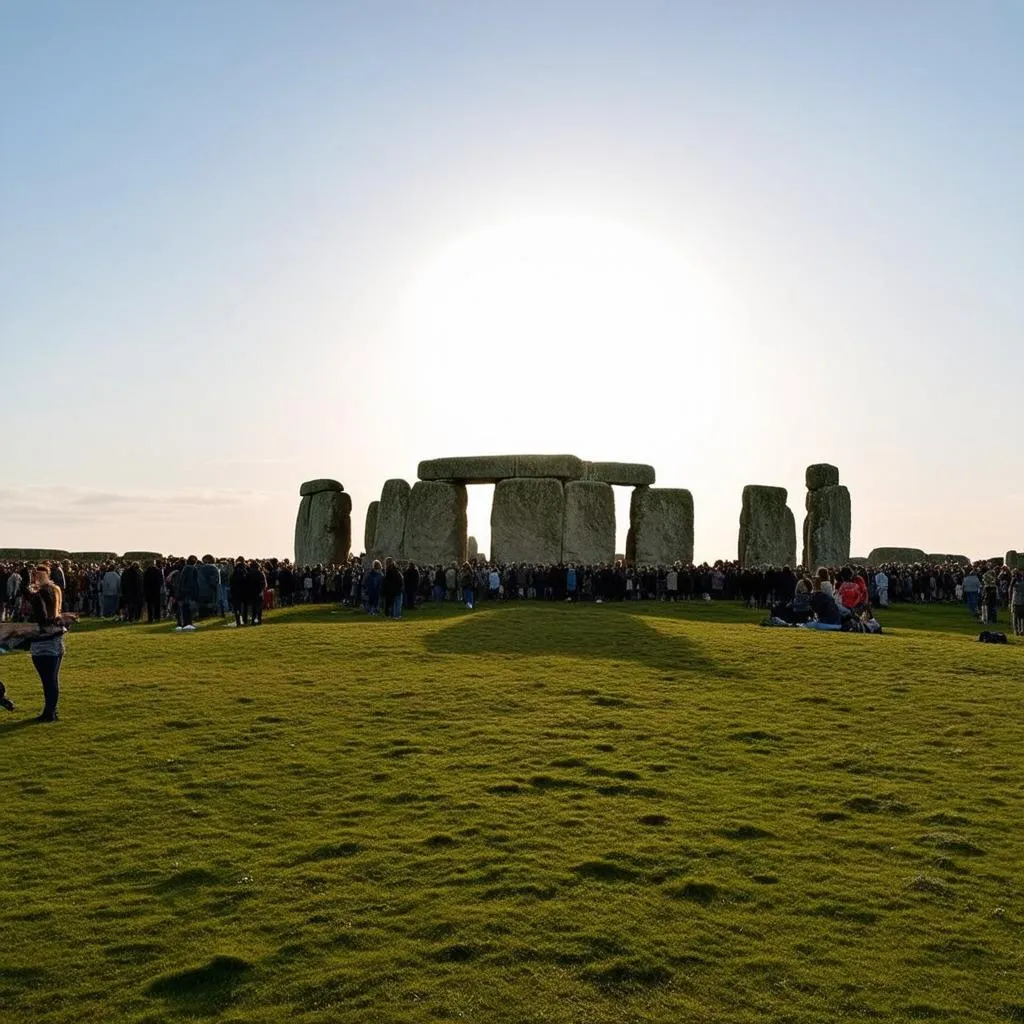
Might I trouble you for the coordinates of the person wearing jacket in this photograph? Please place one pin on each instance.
(110, 592)
(186, 593)
(131, 592)
(391, 589)
(257, 584)
(238, 588)
(372, 586)
(412, 585)
(152, 585)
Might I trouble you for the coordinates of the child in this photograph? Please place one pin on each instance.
(869, 622)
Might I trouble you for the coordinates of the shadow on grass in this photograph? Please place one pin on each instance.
(617, 635)
(202, 990)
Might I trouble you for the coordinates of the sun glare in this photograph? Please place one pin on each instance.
(577, 298)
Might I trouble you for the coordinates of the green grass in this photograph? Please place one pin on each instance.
(523, 814)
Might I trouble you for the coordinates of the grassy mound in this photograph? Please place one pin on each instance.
(532, 813)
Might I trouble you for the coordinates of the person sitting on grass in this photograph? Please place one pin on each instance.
(798, 610)
(823, 607)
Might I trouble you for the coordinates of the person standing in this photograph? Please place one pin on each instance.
(238, 589)
(391, 589)
(45, 603)
(256, 581)
(882, 586)
(152, 584)
(187, 594)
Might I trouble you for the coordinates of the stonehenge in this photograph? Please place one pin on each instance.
(323, 526)
(767, 527)
(558, 509)
(827, 523)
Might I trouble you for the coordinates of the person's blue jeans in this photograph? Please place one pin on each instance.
(48, 667)
(971, 597)
(438, 593)
(109, 606)
(467, 596)
(395, 611)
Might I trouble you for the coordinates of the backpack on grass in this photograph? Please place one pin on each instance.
(991, 636)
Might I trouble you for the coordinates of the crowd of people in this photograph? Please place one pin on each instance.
(39, 603)
(185, 590)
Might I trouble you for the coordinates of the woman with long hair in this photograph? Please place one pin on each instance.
(43, 636)
(46, 601)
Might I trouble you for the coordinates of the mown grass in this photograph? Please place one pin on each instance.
(532, 813)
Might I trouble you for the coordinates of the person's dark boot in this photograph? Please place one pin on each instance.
(5, 701)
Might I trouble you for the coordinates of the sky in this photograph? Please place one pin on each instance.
(245, 244)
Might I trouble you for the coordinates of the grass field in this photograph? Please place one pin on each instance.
(522, 814)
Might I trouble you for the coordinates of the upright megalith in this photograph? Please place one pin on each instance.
(389, 536)
(828, 526)
(1012, 560)
(588, 533)
(661, 523)
(435, 525)
(370, 527)
(767, 527)
(527, 518)
(323, 526)
(472, 548)
(821, 474)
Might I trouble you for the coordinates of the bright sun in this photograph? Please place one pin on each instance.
(574, 297)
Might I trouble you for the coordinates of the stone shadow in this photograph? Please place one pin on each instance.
(618, 635)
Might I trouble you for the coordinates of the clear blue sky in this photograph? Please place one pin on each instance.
(247, 243)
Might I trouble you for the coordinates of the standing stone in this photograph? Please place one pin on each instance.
(803, 550)
(631, 546)
(435, 526)
(472, 548)
(822, 475)
(588, 534)
(661, 520)
(766, 536)
(790, 530)
(323, 528)
(370, 529)
(526, 520)
(389, 535)
(828, 527)
(1012, 560)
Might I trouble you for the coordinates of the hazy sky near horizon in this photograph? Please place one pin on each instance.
(245, 243)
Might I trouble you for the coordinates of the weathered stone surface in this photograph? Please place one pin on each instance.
(469, 469)
(621, 474)
(661, 519)
(526, 521)
(435, 527)
(92, 556)
(895, 554)
(631, 546)
(803, 550)
(765, 534)
(820, 475)
(389, 535)
(588, 533)
(370, 526)
(828, 527)
(1012, 560)
(141, 556)
(861, 563)
(790, 538)
(559, 467)
(316, 486)
(323, 528)
(472, 548)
